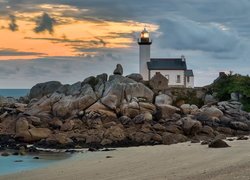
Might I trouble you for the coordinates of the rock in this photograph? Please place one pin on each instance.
(159, 127)
(56, 123)
(190, 126)
(39, 133)
(146, 107)
(225, 130)
(239, 126)
(158, 82)
(22, 151)
(67, 126)
(146, 128)
(109, 124)
(174, 129)
(5, 154)
(20, 107)
(115, 134)
(91, 149)
(204, 142)
(59, 138)
(212, 112)
(7, 101)
(116, 79)
(139, 119)
(68, 105)
(230, 106)
(110, 101)
(94, 123)
(36, 157)
(135, 77)
(209, 99)
(131, 109)
(36, 121)
(138, 90)
(22, 125)
(170, 138)
(148, 116)
(166, 111)
(218, 143)
(207, 131)
(118, 70)
(42, 89)
(98, 110)
(106, 142)
(242, 138)
(93, 139)
(18, 161)
(185, 108)
(142, 138)
(3, 116)
(220, 136)
(195, 141)
(74, 89)
(194, 109)
(157, 138)
(103, 77)
(235, 96)
(125, 120)
(163, 99)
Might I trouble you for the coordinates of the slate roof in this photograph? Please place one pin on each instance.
(167, 64)
(189, 73)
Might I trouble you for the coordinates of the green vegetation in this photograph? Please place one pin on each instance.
(228, 84)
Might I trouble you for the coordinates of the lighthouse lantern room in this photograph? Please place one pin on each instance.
(144, 42)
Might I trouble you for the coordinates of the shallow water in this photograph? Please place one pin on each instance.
(8, 164)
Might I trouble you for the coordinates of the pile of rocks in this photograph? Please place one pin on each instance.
(114, 111)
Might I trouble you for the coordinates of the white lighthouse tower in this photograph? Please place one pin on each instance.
(144, 42)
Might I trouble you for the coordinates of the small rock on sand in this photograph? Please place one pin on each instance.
(218, 143)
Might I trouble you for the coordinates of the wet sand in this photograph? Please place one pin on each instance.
(180, 161)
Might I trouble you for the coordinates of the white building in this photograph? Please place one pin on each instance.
(174, 69)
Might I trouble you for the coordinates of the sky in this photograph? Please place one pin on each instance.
(44, 40)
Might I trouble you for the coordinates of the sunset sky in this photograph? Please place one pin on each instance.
(42, 40)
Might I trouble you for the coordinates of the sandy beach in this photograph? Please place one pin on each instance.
(180, 161)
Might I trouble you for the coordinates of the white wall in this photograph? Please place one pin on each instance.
(172, 76)
(144, 58)
(191, 82)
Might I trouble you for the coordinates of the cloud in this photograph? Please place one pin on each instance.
(12, 25)
(183, 34)
(45, 23)
(14, 52)
(68, 70)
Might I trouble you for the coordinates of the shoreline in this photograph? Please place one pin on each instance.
(178, 161)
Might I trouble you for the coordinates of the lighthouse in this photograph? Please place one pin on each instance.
(144, 42)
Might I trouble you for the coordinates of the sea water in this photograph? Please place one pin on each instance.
(10, 163)
(16, 93)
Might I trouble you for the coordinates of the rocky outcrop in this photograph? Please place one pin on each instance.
(7, 101)
(116, 111)
(166, 111)
(118, 70)
(135, 77)
(43, 89)
(163, 99)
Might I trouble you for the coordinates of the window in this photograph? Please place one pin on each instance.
(178, 80)
(188, 79)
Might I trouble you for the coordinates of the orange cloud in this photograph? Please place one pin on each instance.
(67, 37)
